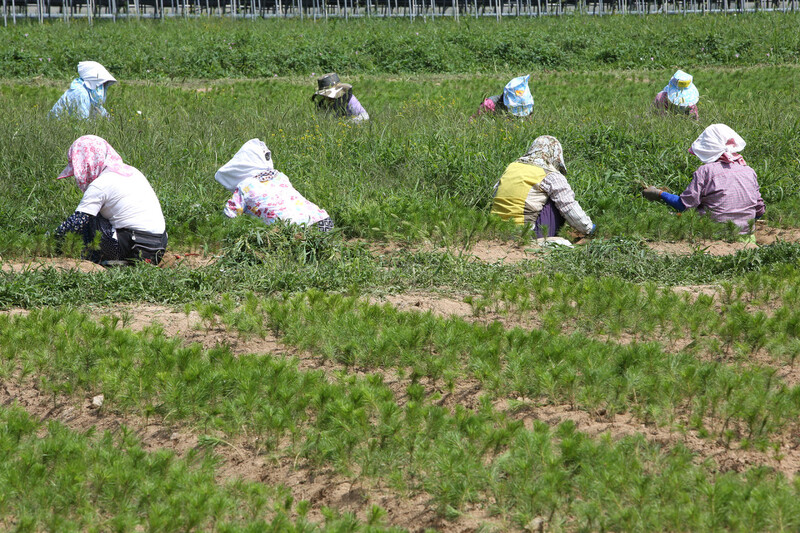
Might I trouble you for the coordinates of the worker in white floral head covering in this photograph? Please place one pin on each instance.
(724, 186)
(260, 190)
(679, 95)
(87, 93)
(534, 190)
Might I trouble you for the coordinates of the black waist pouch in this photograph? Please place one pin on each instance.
(142, 245)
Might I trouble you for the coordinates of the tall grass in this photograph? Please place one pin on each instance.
(419, 170)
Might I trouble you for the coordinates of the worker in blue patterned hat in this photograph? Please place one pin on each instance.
(87, 93)
(680, 95)
(516, 100)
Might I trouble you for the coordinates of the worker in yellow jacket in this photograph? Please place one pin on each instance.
(533, 190)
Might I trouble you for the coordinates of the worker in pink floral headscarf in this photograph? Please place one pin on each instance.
(118, 202)
(89, 157)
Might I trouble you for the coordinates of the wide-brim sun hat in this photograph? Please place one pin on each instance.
(329, 86)
(517, 96)
(681, 90)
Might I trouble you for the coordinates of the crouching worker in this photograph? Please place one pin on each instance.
(534, 190)
(260, 190)
(118, 203)
(86, 94)
(516, 100)
(680, 95)
(335, 98)
(724, 186)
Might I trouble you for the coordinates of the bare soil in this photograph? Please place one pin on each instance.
(769, 235)
(488, 251)
(425, 301)
(764, 235)
(41, 263)
(707, 247)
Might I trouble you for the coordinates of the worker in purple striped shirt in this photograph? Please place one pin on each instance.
(724, 187)
(336, 98)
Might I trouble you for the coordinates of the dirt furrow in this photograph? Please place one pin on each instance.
(466, 392)
(784, 458)
(321, 486)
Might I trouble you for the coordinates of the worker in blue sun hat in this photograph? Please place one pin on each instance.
(516, 100)
(680, 95)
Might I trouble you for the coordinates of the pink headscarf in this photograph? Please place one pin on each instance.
(89, 156)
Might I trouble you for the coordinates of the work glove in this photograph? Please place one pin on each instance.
(652, 193)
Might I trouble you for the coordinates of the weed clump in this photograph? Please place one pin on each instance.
(251, 242)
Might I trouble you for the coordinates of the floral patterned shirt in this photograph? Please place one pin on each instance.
(273, 199)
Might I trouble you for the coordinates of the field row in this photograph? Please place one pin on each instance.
(289, 265)
(54, 478)
(407, 422)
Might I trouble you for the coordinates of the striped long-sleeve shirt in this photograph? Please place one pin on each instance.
(557, 188)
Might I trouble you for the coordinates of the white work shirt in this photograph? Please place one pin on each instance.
(126, 201)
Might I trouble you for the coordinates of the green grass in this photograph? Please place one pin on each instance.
(220, 48)
(297, 265)
(419, 170)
